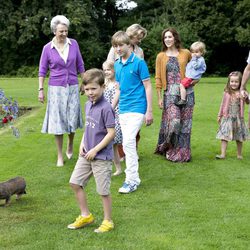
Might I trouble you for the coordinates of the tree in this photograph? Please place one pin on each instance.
(242, 22)
(25, 29)
(222, 25)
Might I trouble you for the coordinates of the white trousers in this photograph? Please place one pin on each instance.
(130, 125)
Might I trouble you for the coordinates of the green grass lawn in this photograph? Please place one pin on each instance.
(203, 204)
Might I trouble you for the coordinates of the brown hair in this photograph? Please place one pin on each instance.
(177, 39)
(92, 76)
(234, 73)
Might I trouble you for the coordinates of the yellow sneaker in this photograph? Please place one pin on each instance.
(105, 227)
(81, 222)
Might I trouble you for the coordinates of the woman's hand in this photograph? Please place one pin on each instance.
(244, 93)
(41, 97)
(219, 119)
(160, 103)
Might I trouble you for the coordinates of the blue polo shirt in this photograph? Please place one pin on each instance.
(98, 117)
(130, 75)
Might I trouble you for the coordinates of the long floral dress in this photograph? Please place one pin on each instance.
(176, 123)
(232, 127)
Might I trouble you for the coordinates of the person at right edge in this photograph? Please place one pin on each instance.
(245, 78)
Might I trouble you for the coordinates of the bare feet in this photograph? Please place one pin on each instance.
(69, 151)
(69, 155)
(59, 163)
(239, 157)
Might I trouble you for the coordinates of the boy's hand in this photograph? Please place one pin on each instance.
(90, 155)
(82, 151)
(149, 118)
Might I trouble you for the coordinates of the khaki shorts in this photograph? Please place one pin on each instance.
(101, 169)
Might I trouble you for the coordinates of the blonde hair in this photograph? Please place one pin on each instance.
(109, 64)
(200, 46)
(136, 29)
(119, 38)
(59, 19)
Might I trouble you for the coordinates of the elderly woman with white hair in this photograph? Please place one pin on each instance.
(63, 59)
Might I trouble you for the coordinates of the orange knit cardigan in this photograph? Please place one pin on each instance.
(160, 67)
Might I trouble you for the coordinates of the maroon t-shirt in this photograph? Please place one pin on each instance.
(98, 117)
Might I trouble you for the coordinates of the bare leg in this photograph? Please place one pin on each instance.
(223, 148)
(59, 145)
(239, 149)
(69, 151)
(117, 162)
(183, 92)
(81, 199)
(107, 206)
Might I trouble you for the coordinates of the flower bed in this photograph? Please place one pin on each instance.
(8, 112)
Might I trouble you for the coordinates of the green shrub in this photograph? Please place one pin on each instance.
(27, 71)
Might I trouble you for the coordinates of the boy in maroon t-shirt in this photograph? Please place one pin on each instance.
(96, 153)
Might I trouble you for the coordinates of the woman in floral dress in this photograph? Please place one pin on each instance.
(176, 123)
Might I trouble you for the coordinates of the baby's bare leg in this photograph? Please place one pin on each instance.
(183, 92)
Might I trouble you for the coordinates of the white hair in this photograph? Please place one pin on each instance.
(59, 19)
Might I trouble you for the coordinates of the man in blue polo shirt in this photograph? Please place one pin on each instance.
(135, 104)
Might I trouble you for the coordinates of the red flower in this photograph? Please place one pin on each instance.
(4, 120)
(10, 117)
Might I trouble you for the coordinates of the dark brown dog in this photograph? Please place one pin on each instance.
(13, 186)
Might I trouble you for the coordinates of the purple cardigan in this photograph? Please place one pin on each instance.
(61, 73)
(224, 107)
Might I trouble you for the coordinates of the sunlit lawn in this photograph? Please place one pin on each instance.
(203, 204)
